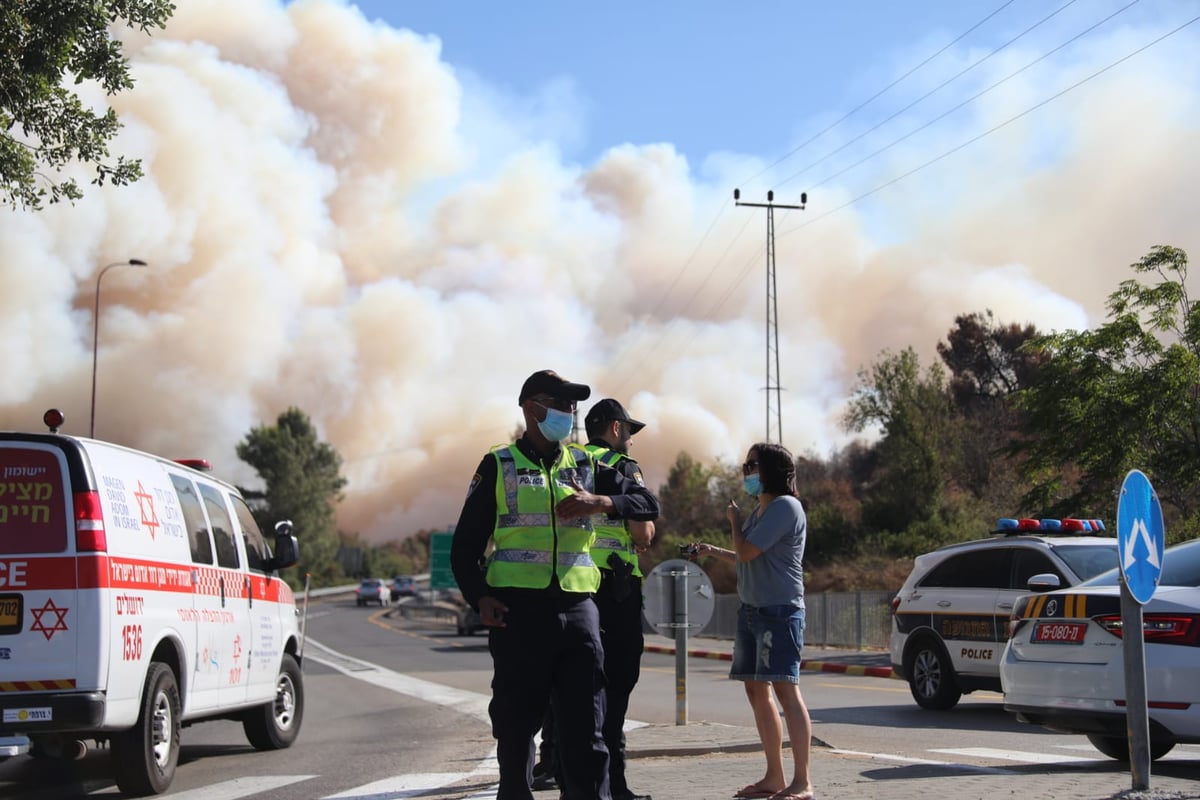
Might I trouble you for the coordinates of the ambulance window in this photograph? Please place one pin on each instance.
(222, 527)
(257, 551)
(33, 502)
(193, 517)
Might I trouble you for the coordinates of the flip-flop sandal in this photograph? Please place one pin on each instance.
(753, 792)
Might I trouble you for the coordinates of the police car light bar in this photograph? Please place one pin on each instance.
(201, 464)
(1012, 527)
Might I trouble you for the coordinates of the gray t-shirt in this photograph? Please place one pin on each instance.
(775, 578)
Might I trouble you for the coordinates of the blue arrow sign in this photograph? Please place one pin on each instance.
(1140, 536)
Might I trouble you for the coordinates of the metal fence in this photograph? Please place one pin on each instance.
(859, 620)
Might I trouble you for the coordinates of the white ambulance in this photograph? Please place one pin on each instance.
(137, 596)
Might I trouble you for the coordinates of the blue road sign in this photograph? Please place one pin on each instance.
(1140, 536)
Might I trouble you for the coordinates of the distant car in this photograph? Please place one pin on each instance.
(469, 621)
(403, 586)
(371, 590)
(950, 619)
(1064, 668)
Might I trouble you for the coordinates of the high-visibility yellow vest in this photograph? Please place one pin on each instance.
(531, 544)
(611, 535)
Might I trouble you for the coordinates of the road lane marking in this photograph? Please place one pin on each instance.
(240, 787)
(473, 704)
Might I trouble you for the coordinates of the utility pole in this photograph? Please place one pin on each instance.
(772, 309)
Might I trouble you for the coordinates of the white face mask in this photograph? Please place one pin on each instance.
(557, 424)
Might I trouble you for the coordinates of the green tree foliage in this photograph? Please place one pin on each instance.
(693, 502)
(833, 513)
(1121, 396)
(988, 365)
(303, 483)
(44, 126)
(916, 416)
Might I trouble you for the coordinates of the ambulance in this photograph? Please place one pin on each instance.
(137, 596)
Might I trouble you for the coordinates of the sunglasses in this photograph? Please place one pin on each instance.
(556, 403)
(749, 467)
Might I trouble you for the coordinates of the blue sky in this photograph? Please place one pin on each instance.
(390, 224)
(710, 77)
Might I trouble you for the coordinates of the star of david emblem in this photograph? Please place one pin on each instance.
(146, 501)
(60, 621)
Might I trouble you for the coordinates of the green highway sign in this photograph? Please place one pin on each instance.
(440, 574)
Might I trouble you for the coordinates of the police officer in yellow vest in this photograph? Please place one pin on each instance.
(534, 501)
(615, 551)
(619, 600)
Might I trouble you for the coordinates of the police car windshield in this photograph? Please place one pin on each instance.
(1181, 567)
(1087, 560)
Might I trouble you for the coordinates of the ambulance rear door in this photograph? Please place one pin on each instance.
(40, 613)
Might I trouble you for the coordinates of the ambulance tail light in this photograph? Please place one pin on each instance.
(89, 524)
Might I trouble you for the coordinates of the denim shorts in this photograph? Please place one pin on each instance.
(768, 643)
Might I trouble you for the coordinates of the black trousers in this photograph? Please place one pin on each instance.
(549, 649)
(621, 634)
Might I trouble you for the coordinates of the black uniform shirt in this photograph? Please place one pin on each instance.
(631, 500)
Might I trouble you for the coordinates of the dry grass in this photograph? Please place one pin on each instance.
(870, 573)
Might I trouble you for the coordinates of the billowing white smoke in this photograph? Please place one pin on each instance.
(324, 230)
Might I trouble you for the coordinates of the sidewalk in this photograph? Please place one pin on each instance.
(708, 761)
(702, 761)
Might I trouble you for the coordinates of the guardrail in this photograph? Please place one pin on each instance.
(860, 620)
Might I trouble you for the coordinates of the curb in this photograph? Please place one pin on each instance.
(809, 666)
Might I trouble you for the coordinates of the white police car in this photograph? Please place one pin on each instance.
(1064, 669)
(950, 619)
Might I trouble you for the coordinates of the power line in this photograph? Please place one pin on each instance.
(994, 128)
(973, 97)
(751, 261)
(938, 88)
(875, 96)
(720, 212)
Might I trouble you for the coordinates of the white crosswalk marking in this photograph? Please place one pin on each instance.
(400, 786)
(240, 787)
(1022, 756)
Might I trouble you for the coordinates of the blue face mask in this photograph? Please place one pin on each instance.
(752, 484)
(557, 424)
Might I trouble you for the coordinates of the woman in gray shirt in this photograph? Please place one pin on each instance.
(768, 550)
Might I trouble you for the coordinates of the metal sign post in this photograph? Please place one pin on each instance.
(1140, 540)
(679, 598)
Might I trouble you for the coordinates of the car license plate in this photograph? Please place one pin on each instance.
(1060, 632)
(10, 613)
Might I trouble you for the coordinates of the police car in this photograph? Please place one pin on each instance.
(137, 596)
(950, 619)
(1064, 666)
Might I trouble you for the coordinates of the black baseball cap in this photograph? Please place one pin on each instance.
(608, 410)
(547, 381)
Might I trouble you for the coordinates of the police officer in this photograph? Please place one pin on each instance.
(619, 600)
(534, 500)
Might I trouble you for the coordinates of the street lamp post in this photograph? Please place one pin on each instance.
(133, 262)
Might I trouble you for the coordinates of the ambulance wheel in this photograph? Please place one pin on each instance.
(276, 725)
(145, 756)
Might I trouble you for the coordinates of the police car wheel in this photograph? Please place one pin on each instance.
(275, 725)
(146, 755)
(931, 677)
(1118, 746)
